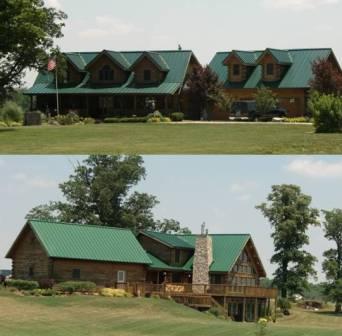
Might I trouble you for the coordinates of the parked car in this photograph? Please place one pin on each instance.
(246, 110)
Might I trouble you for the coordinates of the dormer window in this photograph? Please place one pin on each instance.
(147, 75)
(236, 69)
(269, 69)
(106, 73)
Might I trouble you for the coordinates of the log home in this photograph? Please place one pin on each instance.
(110, 83)
(203, 270)
(286, 72)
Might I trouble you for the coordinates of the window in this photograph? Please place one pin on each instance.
(106, 73)
(121, 277)
(147, 75)
(216, 279)
(31, 271)
(177, 256)
(236, 69)
(269, 69)
(76, 274)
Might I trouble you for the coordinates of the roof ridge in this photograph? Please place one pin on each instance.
(79, 224)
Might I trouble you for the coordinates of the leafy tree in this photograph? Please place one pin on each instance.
(19, 98)
(98, 193)
(327, 77)
(203, 86)
(224, 101)
(171, 226)
(61, 64)
(11, 112)
(332, 264)
(265, 100)
(289, 212)
(27, 32)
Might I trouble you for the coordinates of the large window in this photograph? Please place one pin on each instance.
(106, 73)
(270, 69)
(177, 256)
(121, 277)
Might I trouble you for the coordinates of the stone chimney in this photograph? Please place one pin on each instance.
(203, 259)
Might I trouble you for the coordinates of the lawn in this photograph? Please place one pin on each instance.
(85, 316)
(258, 138)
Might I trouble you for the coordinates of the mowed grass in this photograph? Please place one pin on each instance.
(77, 315)
(261, 138)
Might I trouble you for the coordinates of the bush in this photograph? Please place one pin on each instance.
(46, 283)
(22, 284)
(76, 286)
(110, 292)
(33, 118)
(214, 311)
(177, 116)
(3, 124)
(284, 305)
(89, 121)
(297, 120)
(67, 119)
(327, 113)
(125, 120)
(11, 112)
(42, 292)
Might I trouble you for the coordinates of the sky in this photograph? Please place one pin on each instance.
(204, 26)
(219, 190)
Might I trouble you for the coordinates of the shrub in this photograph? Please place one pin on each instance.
(3, 124)
(155, 114)
(46, 283)
(284, 305)
(68, 119)
(22, 284)
(42, 292)
(297, 120)
(265, 100)
(11, 112)
(125, 120)
(110, 292)
(76, 286)
(177, 116)
(33, 118)
(89, 121)
(214, 311)
(327, 113)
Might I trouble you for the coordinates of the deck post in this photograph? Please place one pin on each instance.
(275, 309)
(244, 310)
(87, 105)
(256, 310)
(166, 105)
(135, 104)
(31, 103)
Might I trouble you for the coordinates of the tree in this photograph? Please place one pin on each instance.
(265, 101)
(203, 86)
(27, 32)
(171, 226)
(332, 264)
(224, 101)
(99, 193)
(61, 64)
(290, 215)
(327, 77)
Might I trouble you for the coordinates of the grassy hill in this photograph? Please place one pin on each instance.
(80, 315)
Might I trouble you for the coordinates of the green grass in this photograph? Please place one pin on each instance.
(169, 139)
(85, 316)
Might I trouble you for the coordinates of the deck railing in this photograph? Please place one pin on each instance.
(180, 289)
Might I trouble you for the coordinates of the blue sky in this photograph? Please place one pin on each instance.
(205, 26)
(220, 190)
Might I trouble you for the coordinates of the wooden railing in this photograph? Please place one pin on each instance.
(193, 289)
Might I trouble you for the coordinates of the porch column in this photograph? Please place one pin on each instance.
(135, 104)
(166, 104)
(87, 105)
(244, 310)
(31, 103)
(256, 310)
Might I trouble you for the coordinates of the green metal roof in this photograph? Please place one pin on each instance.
(158, 264)
(298, 75)
(226, 249)
(88, 242)
(247, 57)
(156, 58)
(174, 63)
(170, 240)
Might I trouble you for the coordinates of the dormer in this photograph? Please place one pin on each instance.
(240, 65)
(108, 68)
(150, 68)
(274, 64)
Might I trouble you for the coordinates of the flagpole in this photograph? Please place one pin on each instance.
(57, 98)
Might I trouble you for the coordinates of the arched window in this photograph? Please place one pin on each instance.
(106, 73)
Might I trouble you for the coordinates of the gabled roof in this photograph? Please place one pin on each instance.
(177, 62)
(156, 58)
(281, 56)
(117, 57)
(246, 57)
(298, 75)
(169, 240)
(86, 242)
(158, 264)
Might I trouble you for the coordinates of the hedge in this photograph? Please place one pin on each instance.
(177, 116)
(76, 286)
(125, 120)
(22, 284)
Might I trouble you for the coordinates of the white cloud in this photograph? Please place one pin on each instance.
(34, 181)
(315, 168)
(243, 190)
(106, 26)
(53, 3)
(298, 4)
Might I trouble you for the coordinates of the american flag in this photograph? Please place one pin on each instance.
(51, 64)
